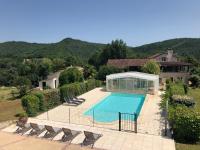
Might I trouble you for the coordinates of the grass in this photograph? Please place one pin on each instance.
(6, 93)
(8, 110)
(9, 106)
(180, 146)
(195, 93)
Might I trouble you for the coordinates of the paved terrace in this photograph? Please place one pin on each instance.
(17, 142)
(150, 122)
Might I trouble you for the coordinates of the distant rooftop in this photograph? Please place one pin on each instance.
(122, 63)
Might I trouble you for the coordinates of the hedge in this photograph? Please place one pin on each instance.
(51, 98)
(42, 106)
(30, 104)
(186, 124)
(75, 89)
(40, 101)
(176, 89)
(92, 83)
(70, 75)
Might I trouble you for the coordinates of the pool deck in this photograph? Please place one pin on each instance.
(150, 125)
(17, 142)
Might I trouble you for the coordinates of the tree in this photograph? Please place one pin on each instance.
(106, 70)
(195, 80)
(58, 64)
(72, 60)
(70, 75)
(24, 69)
(116, 50)
(89, 72)
(30, 104)
(94, 60)
(23, 84)
(44, 68)
(151, 67)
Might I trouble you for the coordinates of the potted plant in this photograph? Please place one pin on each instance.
(23, 118)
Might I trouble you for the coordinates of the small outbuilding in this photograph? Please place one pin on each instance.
(52, 81)
(134, 82)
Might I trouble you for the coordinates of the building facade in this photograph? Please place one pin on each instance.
(170, 66)
(52, 81)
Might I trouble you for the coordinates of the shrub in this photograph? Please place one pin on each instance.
(151, 67)
(23, 84)
(30, 104)
(176, 89)
(184, 121)
(75, 89)
(165, 98)
(185, 86)
(70, 75)
(89, 72)
(20, 115)
(106, 70)
(98, 83)
(71, 89)
(51, 98)
(195, 80)
(92, 83)
(183, 99)
(42, 106)
(186, 124)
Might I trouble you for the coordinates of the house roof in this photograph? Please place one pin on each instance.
(155, 55)
(158, 54)
(123, 63)
(53, 75)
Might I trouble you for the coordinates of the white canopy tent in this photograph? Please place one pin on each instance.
(137, 82)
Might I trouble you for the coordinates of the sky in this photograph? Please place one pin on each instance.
(137, 22)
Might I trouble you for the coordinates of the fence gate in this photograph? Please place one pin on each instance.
(128, 122)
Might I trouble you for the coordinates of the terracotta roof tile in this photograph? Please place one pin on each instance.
(123, 63)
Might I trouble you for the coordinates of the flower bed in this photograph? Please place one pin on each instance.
(183, 99)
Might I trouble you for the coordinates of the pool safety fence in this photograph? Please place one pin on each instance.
(128, 122)
(95, 118)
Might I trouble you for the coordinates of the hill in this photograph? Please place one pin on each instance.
(63, 48)
(181, 46)
(82, 49)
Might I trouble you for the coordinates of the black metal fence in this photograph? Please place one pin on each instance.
(115, 120)
(128, 122)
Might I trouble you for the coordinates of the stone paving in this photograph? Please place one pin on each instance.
(16, 142)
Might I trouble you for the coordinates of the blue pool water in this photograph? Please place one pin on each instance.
(107, 110)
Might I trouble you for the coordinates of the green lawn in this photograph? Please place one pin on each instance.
(6, 93)
(195, 93)
(180, 146)
(9, 106)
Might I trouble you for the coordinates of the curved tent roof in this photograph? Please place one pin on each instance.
(140, 75)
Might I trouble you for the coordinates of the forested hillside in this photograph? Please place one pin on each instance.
(182, 46)
(61, 49)
(83, 50)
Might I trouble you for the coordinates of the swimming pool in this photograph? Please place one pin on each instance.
(107, 110)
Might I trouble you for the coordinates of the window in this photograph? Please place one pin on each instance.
(44, 85)
(163, 58)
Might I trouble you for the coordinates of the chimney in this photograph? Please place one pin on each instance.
(169, 55)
